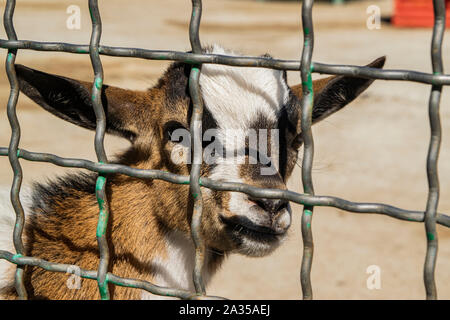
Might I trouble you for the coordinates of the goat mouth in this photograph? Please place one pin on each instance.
(243, 228)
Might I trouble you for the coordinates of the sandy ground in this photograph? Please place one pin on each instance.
(373, 151)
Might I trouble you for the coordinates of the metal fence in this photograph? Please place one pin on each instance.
(308, 199)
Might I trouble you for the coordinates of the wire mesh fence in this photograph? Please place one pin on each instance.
(196, 58)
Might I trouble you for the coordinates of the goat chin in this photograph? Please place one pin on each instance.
(256, 249)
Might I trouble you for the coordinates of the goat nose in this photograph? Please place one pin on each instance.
(273, 206)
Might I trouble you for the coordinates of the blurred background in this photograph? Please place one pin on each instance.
(373, 151)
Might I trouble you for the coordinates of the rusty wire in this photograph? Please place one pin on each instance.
(196, 58)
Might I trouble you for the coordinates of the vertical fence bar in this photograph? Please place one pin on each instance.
(13, 150)
(196, 142)
(433, 152)
(99, 149)
(308, 151)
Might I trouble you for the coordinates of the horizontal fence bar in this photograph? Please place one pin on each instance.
(91, 274)
(303, 199)
(187, 57)
(257, 62)
(381, 74)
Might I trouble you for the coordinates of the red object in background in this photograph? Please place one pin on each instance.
(416, 13)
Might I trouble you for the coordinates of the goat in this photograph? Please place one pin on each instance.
(149, 229)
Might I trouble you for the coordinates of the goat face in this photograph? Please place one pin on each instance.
(251, 134)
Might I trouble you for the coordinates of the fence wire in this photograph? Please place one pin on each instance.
(308, 199)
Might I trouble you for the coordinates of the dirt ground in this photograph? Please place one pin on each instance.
(373, 151)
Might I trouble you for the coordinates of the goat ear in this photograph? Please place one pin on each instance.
(71, 100)
(333, 93)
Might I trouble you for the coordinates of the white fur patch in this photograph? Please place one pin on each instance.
(176, 270)
(235, 95)
(7, 221)
(236, 98)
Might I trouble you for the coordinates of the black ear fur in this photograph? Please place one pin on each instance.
(63, 97)
(71, 100)
(340, 91)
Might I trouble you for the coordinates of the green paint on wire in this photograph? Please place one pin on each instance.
(309, 83)
(103, 288)
(101, 180)
(92, 15)
(430, 236)
(16, 256)
(102, 223)
(100, 172)
(103, 214)
(121, 284)
(98, 83)
(308, 213)
(310, 91)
